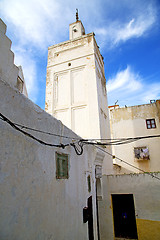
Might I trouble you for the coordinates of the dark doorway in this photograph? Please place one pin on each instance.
(97, 188)
(124, 216)
(90, 219)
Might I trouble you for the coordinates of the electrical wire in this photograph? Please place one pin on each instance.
(78, 149)
(151, 174)
(100, 142)
(31, 136)
(48, 133)
(121, 139)
(119, 142)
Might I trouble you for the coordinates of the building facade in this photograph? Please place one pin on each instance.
(76, 84)
(131, 207)
(133, 122)
(47, 190)
(76, 87)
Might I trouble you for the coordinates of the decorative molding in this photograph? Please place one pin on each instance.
(73, 40)
(67, 49)
(98, 171)
(69, 60)
(99, 158)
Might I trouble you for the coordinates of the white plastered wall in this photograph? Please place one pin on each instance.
(34, 204)
(9, 72)
(76, 91)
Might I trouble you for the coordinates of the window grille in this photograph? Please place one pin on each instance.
(150, 123)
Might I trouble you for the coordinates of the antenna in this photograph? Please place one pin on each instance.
(116, 102)
(77, 18)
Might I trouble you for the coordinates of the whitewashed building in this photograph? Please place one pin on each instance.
(76, 87)
(47, 190)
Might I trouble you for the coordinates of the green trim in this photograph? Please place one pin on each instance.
(62, 166)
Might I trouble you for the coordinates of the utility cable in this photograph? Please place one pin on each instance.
(80, 143)
(78, 150)
(31, 136)
(118, 142)
(40, 131)
(151, 174)
(121, 139)
(113, 141)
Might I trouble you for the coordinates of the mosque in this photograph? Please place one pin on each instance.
(57, 179)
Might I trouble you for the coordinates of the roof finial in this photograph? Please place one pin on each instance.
(77, 18)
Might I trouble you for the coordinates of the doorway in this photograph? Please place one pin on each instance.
(90, 219)
(98, 195)
(124, 216)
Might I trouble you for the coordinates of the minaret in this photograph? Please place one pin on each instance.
(76, 84)
(76, 29)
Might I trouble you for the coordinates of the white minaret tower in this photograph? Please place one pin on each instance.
(76, 84)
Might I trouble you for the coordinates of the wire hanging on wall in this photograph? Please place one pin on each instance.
(31, 136)
(78, 145)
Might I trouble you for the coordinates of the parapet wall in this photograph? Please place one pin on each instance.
(9, 72)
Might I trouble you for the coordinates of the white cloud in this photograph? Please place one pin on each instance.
(129, 88)
(44, 22)
(152, 92)
(37, 24)
(33, 26)
(34, 21)
(124, 80)
(136, 27)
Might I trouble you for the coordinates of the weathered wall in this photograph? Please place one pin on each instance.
(34, 204)
(146, 193)
(68, 87)
(131, 122)
(76, 89)
(9, 72)
(76, 29)
(71, 74)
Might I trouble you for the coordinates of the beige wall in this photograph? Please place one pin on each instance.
(131, 122)
(33, 203)
(146, 194)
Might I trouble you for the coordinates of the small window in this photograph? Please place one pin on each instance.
(61, 166)
(141, 153)
(150, 123)
(20, 84)
(89, 183)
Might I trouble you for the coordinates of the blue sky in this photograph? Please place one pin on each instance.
(127, 32)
